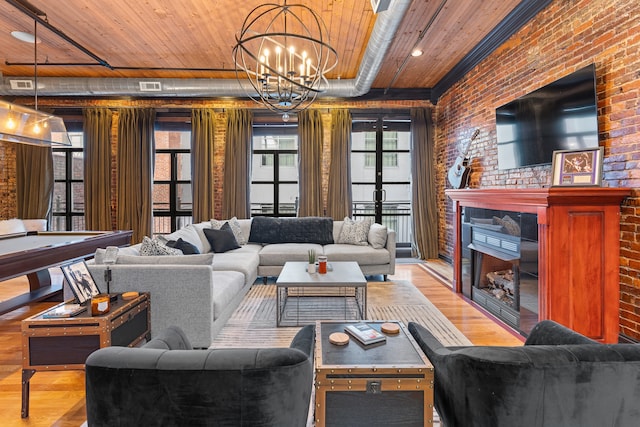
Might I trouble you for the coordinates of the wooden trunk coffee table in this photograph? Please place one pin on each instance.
(384, 384)
(303, 298)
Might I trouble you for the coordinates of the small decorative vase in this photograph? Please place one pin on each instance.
(311, 268)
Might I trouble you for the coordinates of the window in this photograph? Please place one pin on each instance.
(274, 175)
(389, 142)
(68, 187)
(172, 196)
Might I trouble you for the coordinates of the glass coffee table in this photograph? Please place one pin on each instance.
(302, 298)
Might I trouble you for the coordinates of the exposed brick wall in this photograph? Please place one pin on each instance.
(566, 36)
(8, 185)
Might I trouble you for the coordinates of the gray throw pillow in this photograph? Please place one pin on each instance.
(377, 236)
(355, 232)
(235, 227)
(156, 247)
(221, 240)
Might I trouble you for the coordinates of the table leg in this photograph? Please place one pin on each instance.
(26, 376)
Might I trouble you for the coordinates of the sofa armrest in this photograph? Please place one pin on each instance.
(431, 346)
(176, 292)
(391, 247)
(171, 338)
(548, 332)
(305, 340)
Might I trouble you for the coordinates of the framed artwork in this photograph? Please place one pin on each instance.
(577, 167)
(80, 281)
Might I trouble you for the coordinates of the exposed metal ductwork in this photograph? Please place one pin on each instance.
(382, 35)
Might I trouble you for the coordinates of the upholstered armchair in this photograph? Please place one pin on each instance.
(166, 383)
(558, 378)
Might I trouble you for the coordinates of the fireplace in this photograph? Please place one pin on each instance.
(578, 246)
(500, 264)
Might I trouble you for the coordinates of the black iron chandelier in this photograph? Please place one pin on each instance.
(284, 52)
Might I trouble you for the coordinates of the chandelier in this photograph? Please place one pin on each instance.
(284, 52)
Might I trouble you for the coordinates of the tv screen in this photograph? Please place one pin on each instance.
(559, 116)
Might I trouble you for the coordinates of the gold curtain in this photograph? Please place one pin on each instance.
(202, 163)
(339, 198)
(34, 181)
(423, 188)
(310, 163)
(136, 148)
(97, 168)
(237, 164)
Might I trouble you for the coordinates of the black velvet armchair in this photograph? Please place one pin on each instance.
(558, 378)
(166, 383)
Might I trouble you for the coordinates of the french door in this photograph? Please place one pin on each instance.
(381, 172)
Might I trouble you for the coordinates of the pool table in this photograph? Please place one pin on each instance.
(33, 253)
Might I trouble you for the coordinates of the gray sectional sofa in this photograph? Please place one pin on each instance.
(198, 293)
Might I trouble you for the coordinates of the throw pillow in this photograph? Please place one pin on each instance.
(156, 247)
(189, 234)
(377, 236)
(309, 229)
(221, 240)
(355, 232)
(186, 247)
(235, 227)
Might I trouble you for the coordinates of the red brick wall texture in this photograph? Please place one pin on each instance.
(566, 36)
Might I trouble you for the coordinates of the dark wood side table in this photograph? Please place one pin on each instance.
(65, 343)
(379, 385)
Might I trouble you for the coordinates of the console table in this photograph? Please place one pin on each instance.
(578, 253)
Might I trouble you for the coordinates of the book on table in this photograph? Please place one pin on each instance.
(365, 333)
(64, 310)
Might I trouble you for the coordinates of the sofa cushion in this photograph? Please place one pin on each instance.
(240, 260)
(129, 250)
(226, 286)
(283, 252)
(377, 236)
(221, 240)
(363, 255)
(355, 232)
(156, 247)
(292, 230)
(200, 259)
(186, 247)
(216, 224)
(200, 227)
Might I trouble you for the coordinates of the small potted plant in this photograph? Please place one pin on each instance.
(311, 267)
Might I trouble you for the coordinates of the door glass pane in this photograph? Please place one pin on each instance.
(183, 197)
(184, 166)
(77, 165)
(161, 197)
(288, 200)
(60, 197)
(288, 166)
(262, 167)
(77, 223)
(363, 198)
(396, 167)
(261, 199)
(161, 225)
(77, 197)
(162, 169)
(59, 165)
(360, 169)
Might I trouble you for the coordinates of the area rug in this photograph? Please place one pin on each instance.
(253, 324)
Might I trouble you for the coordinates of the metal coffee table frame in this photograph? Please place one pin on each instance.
(294, 283)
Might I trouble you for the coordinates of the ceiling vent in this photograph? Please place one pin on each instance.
(21, 84)
(150, 86)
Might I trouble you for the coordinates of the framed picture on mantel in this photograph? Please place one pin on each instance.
(577, 167)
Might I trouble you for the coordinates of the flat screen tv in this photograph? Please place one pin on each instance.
(560, 116)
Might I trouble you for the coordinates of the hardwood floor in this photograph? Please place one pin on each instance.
(57, 397)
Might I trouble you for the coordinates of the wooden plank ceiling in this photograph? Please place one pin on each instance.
(194, 38)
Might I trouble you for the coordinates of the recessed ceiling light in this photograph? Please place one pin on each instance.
(25, 37)
(416, 52)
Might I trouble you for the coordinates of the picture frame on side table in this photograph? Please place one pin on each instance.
(80, 281)
(577, 167)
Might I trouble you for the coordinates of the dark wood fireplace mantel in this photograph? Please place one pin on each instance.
(578, 254)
